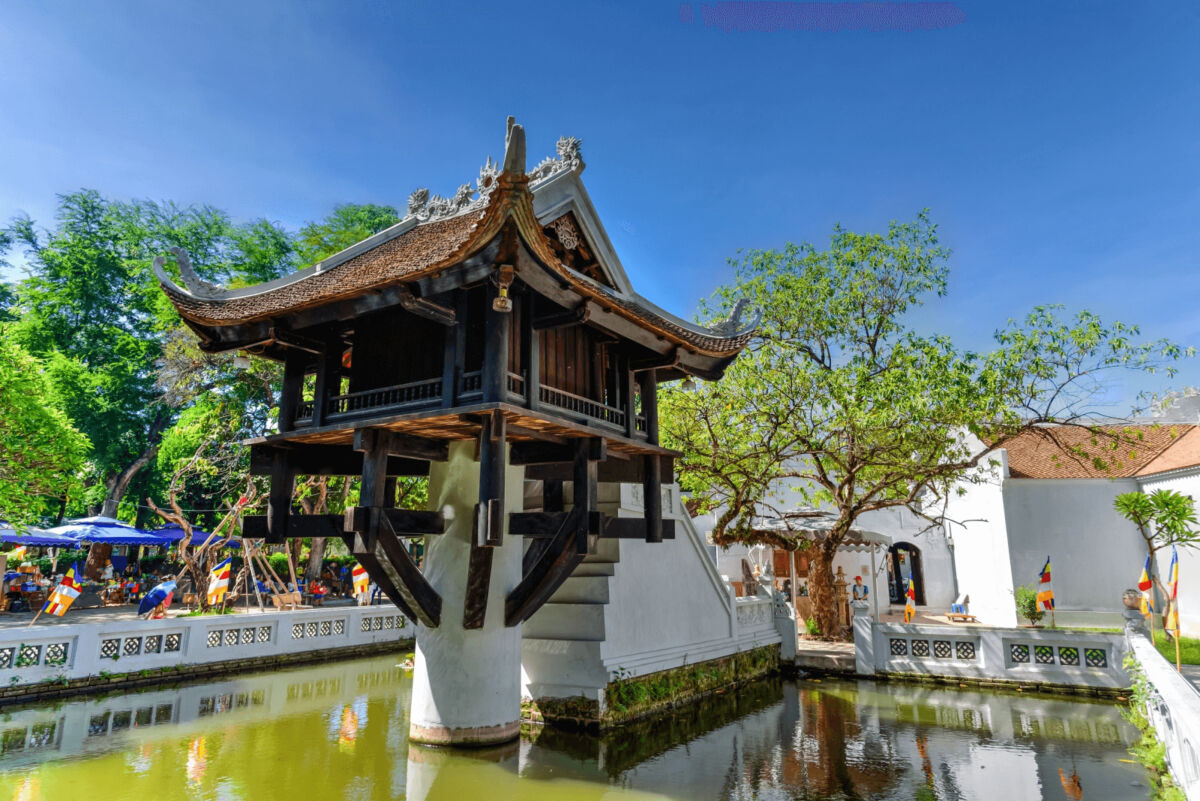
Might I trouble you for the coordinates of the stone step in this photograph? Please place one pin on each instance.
(606, 551)
(566, 621)
(588, 569)
(582, 590)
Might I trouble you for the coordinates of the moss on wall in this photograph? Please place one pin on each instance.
(631, 698)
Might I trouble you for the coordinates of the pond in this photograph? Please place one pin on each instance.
(338, 731)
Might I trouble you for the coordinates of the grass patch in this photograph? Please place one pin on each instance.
(1189, 648)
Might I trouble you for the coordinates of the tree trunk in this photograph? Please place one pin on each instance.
(820, 590)
(316, 555)
(118, 485)
(98, 555)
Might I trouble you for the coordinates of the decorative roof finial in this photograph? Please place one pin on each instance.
(194, 283)
(514, 149)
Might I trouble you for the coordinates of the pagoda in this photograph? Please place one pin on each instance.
(487, 339)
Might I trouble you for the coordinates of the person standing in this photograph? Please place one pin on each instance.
(860, 591)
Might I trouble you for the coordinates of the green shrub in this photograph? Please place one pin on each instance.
(1027, 605)
(812, 627)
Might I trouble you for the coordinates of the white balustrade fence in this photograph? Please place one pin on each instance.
(76, 651)
(1174, 711)
(1041, 656)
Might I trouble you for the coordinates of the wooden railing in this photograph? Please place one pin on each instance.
(419, 394)
(561, 399)
(414, 393)
(516, 384)
(470, 385)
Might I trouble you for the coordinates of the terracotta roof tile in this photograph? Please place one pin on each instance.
(1114, 452)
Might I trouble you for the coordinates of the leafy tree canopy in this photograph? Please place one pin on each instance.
(839, 402)
(41, 455)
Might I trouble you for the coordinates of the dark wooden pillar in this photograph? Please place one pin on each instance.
(585, 474)
(328, 381)
(489, 512)
(495, 350)
(454, 352)
(279, 502)
(531, 357)
(373, 491)
(652, 463)
(629, 377)
(294, 365)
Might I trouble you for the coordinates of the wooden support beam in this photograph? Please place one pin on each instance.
(328, 382)
(290, 339)
(372, 495)
(541, 452)
(495, 349)
(326, 460)
(562, 319)
(630, 399)
(404, 522)
(584, 492)
(649, 387)
(294, 365)
(668, 359)
(652, 499)
(542, 526)
(450, 372)
(552, 568)
(405, 445)
(299, 526)
(426, 308)
(531, 340)
(489, 512)
(410, 583)
(279, 501)
(552, 503)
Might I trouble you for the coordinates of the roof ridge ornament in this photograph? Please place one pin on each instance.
(196, 285)
(425, 207)
(732, 325)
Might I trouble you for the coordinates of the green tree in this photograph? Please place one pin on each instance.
(346, 225)
(42, 456)
(838, 402)
(1164, 518)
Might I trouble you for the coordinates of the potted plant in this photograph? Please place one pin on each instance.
(1027, 605)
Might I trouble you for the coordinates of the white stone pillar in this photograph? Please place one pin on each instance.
(467, 683)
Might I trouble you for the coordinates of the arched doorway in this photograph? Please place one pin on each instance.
(904, 562)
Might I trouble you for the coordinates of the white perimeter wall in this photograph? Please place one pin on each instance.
(980, 536)
(1095, 554)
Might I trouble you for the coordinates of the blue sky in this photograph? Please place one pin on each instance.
(1056, 142)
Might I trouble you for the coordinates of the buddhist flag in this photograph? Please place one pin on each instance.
(1146, 585)
(910, 602)
(1172, 623)
(361, 580)
(64, 594)
(1045, 595)
(17, 554)
(218, 582)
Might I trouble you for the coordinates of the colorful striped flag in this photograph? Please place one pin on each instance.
(361, 580)
(1172, 623)
(1045, 595)
(1146, 585)
(64, 594)
(218, 582)
(910, 602)
(18, 553)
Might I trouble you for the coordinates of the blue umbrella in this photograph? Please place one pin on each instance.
(107, 530)
(162, 594)
(34, 536)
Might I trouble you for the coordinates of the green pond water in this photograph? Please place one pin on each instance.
(338, 731)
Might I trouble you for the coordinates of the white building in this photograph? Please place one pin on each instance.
(1041, 498)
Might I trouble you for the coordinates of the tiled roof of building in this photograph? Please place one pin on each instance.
(1108, 452)
(427, 242)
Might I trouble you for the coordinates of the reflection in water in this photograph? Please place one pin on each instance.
(339, 732)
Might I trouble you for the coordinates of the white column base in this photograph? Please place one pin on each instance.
(467, 683)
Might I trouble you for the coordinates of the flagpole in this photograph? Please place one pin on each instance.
(35, 617)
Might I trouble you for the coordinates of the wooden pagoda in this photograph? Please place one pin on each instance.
(499, 315)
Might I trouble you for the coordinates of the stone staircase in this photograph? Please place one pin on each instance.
(575, 613)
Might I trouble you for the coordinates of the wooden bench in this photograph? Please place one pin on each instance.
(958, 611)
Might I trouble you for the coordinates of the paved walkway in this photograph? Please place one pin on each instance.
(1192, 674)
(825, 656)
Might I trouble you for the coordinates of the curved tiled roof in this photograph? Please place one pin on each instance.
(1111, 451)
(411, 250)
